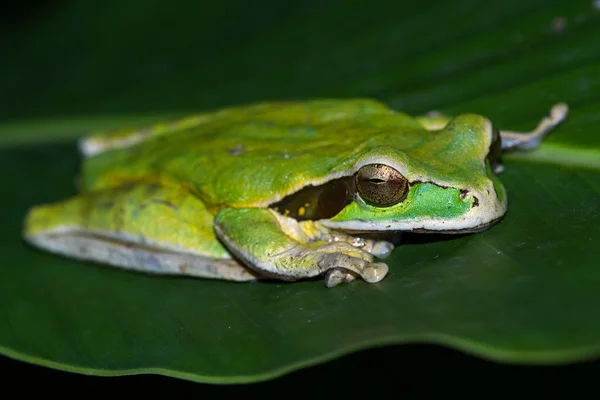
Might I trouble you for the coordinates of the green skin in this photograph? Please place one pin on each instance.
(184, 197)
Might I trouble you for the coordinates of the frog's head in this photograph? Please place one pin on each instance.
(385, 200)
(440, 181)
(445, 184)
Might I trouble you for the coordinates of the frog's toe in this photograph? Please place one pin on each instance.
(375, 272)
(382, 249)
(335, 277)
(356, 262)
(341, 268)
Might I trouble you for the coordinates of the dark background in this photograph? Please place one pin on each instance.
(414, 370)
(423, 367)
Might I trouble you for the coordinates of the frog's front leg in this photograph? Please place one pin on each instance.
(284, 249)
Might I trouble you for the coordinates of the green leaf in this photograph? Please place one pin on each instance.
(526, 290)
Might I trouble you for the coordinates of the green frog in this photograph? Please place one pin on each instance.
(280, 190)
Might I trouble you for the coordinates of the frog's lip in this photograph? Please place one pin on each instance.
(475, 229)
(434, 225)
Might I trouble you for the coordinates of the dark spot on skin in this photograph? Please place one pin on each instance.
(106, 205)
(163, 202)
(149, 261)
(237, 150)
(463, 193)
(212, 269)
(306, 130)
(475, 202)
(151, 189)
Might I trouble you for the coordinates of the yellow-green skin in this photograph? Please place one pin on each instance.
(200, 188)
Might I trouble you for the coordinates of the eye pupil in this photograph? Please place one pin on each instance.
(381, 185)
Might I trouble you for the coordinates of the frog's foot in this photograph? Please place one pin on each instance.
(348, 261)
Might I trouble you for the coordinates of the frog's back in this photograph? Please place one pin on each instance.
(261, 115)
(245, 156)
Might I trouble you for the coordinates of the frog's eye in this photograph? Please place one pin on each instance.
(381, 185)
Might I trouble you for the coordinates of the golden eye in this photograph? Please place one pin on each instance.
(381, 185)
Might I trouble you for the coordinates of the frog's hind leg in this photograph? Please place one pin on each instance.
(140, 227)
(99, 142)
(434, 120)
(531, 140)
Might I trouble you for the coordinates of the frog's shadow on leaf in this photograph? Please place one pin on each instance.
(425, 238)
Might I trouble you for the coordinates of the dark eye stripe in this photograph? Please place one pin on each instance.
(378, 184)
(318, 202)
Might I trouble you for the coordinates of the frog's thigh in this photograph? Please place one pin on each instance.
(256, 236)
(141, 227)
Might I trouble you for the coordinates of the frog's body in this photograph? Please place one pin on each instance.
(287, 189)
